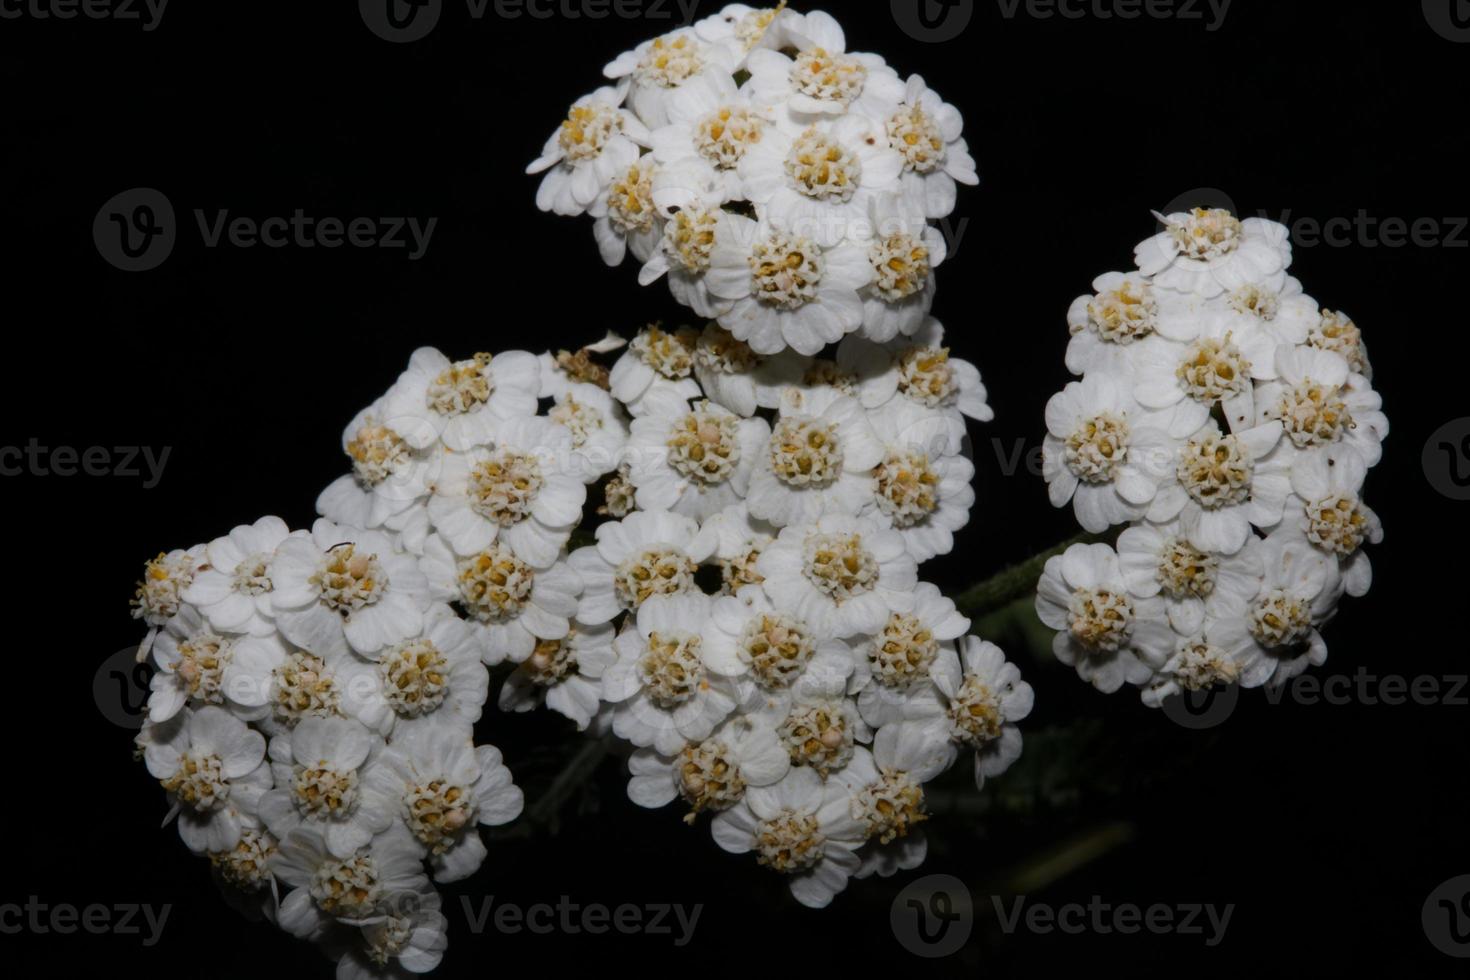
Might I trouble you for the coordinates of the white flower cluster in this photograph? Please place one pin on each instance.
(783, 185)
(1230, 422)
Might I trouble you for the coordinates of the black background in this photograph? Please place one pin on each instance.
(1327, 826)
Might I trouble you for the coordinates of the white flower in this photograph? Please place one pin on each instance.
(928, 376)
(523, 494)
(713, 774)
(407, 937)
(444, 785)
(192, 660)
(324, 779)
(1280, 311)
(1183, 383)
(564, 674)
(711, 125)
(1198, 663)
(1272, 631)
(842, 575)
(1103, 453)
(818, 460)
(597, 141)
(1122, 310)
(626, 217)
(684, 253)
(598, 427)
(1322, 407)
(663, 692)
(736, 377)
(886, 786)
(823, 79)
(980, 698)
(898, 660)
(1110, 635)
(338, 586)
(747, 27)
(461, 403)
(655, 362)
(659, 69)
(233, 590)
(1209, 251)
(1158, 560)
(739, 540)
(919, 489)
(820, 183)
(694, 461)
(926, 131)
(820, 729)
(645, 554)
(904, 251)
(510, 604)
(747, 637)
(327, 888)
(213, 768)
(1333, 516)
(785, 289)
(1225, 484)
(159, 594)
(389, 476)
(800, 827)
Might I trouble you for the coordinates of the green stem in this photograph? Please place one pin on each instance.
(1016, 582)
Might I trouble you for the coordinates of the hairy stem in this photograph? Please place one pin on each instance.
(1016, 582)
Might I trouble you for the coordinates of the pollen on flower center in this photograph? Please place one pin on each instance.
(689, 238)
(1098, 447)
(578, 418)
(738, 572)
(630, 199)
(705, 447)
(670, 354)
(903, 653)
(828, 77)
(670, 668)
(551, 662)
(1203, 665)
(709, 777)
(323, 793)
(377, 452)
(1314, 414)
(823, 168)
(839, 566)
(302, 687)
(587, 130)
(462, 387)
(654, 572)
(1123, 315)
(752, 27)
(387, 938)
(790, 843)
(975, 714)
(900, 265)
(1279, 619)
(1213, 369)
(786, 270)
(246, 866)
(1216, 470)
(925, 375)
(824, 373)
(437, 812)
(915, 134)
(503, 488)
(1337, 523)
(670, 61)
(415, 678)
(1100, 619)
(718, 351)
(778, 648)
(890, 807)
(1186, 571)
(724, 136)
(1257, 302)
(495, 585)
(349, 581)
(1207, 233)
(907, 488)
(348, 889)
(806, 452)
(201, 666)
(253, 576)
(817, 735)
(157, 597)
(199, 783)
(1338, 333)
